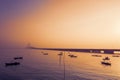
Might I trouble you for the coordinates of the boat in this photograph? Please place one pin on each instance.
(105, 63)
(115, 56)
(12, 63)
(97, 55)
(71, 55)
(15, 58)
(60, 54)
(45, 53)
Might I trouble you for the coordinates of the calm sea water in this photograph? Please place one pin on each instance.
(36, 66)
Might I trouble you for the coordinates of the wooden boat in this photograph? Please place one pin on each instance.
(15, 58)
(12, 64)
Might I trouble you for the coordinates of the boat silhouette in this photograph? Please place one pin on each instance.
(15, 58)
(61, 53)
(12, 64)
(106, 61)
(71, 55)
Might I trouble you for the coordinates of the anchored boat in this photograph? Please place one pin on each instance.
(12, 64)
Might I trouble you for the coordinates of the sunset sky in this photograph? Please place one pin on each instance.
(60, 23)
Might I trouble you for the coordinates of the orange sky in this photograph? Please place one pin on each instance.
(68, 24)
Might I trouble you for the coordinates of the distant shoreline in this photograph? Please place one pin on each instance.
(105, 51)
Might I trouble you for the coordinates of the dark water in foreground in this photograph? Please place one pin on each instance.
(36, 66)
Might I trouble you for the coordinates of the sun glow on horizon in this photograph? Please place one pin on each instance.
(68, 24)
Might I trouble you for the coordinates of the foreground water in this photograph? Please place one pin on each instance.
(36, 66)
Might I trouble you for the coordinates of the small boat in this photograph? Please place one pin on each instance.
(97, 55)
(73, 56)
(45, 53)
(69, 54)
(12, 64)
(105, 63)
(60, 54)
(15, 58)
(115, 56)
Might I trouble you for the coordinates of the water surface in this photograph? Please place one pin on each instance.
(37, 66)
